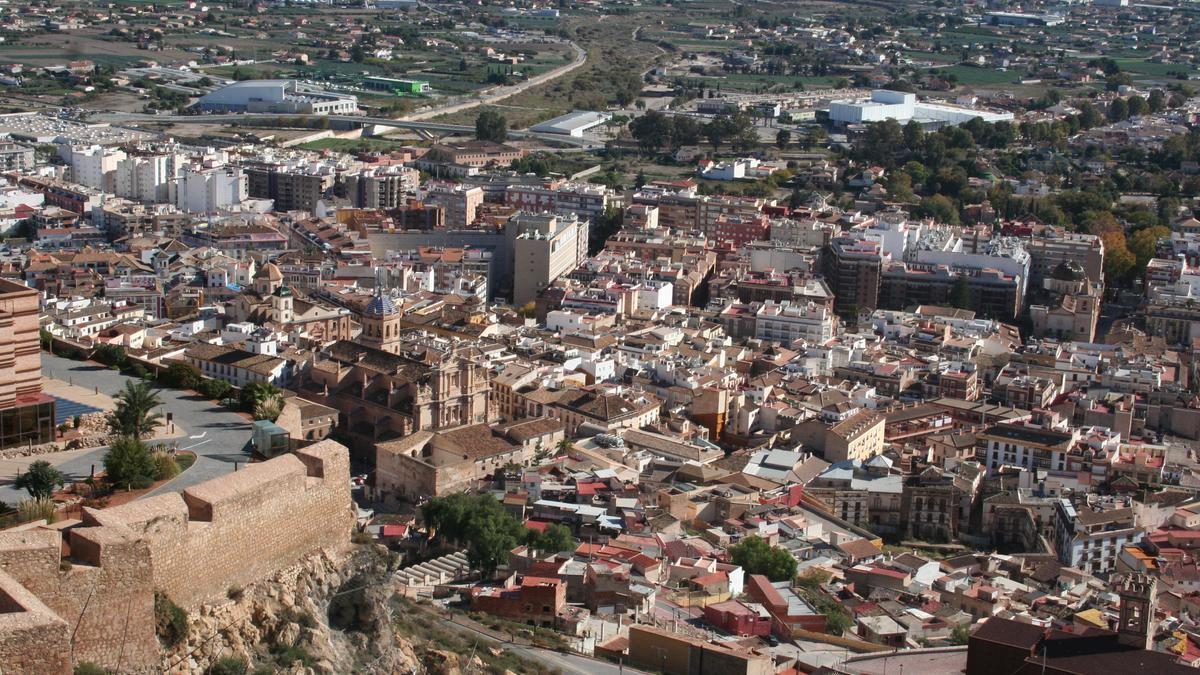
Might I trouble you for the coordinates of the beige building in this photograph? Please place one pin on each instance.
(382, 395)
(1073, 305)
(544, 248)
(858, 437)
(459, 203)
(433, 463)
(26, 414)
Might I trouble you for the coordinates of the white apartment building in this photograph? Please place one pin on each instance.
(149, 179)
(93, 165)
(208, 189)
(785, 322)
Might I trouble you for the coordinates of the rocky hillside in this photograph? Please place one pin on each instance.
(331, 613)
(328, 614)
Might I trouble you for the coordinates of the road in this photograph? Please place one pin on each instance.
(217, 436)
(501, 93)
(564, 662)
(364, 120)
(665, 610)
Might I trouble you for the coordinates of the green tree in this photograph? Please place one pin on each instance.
(961, 635)
(40, 479)
(491, 126)
(477, 522)
(181, 376)
(129, 464)
(652, 130)
(960, 293)
(255, 393)
(783, 138)
(1118, 110)
(756, 556)
(215, 389)
(940, 208)
(110, 355)
(1157, 101)
(556, 538)
(134, 413)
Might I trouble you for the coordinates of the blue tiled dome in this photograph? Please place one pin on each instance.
(381, 305)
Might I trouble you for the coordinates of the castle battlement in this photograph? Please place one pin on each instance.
(193, 546)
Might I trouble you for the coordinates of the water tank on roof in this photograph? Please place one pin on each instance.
(609, 441)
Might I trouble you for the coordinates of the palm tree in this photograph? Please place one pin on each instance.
(269, 408)
(134, 415)
(565, 445)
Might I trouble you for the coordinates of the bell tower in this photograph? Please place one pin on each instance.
(1136, 622)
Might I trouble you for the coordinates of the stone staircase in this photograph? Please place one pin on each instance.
(443, 570)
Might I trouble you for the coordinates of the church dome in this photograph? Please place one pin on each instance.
(270, 272)
(381, 305)
(1068, 270)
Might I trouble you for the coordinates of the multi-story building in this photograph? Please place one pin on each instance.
(236, 366)
(211, 188)
(1091, 540)
(866, 494)
(779, 321)
(1047, 253)
(16, 157)
(544, 248)
(380, 188)
(460, 203)
(989, 292)
(1025, 447)
(584, 200)
(852, 268)
(292, 188)
(26, 414)
(148, 177)
(474, 153)
(93, 165)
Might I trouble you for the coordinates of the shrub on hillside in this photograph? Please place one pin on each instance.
(170, 621)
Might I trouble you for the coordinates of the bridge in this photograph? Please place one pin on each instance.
(361, 120)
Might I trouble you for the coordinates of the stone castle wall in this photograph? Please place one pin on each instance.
(240, 528)
(102, 592)
(88, 593)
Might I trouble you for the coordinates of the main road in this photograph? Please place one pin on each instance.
(219, 438)
(563, 662)
(500, 93)
(364, 120)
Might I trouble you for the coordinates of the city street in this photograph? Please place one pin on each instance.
(564, 662)
(218, 437)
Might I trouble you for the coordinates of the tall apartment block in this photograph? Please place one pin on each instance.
(26, 414)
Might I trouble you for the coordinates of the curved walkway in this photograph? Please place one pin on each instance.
(217, 436)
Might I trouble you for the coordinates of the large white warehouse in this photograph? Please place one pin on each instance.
(902, 107)
(278, 96)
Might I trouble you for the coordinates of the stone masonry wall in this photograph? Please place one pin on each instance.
(32, 638)
(240, 528)
(96, 603)
(102, 591)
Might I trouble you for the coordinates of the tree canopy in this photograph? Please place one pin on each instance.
(491, 126)
(756, 556)
(489, 533)
(129, 464)
(39, 479)
(134, 413)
